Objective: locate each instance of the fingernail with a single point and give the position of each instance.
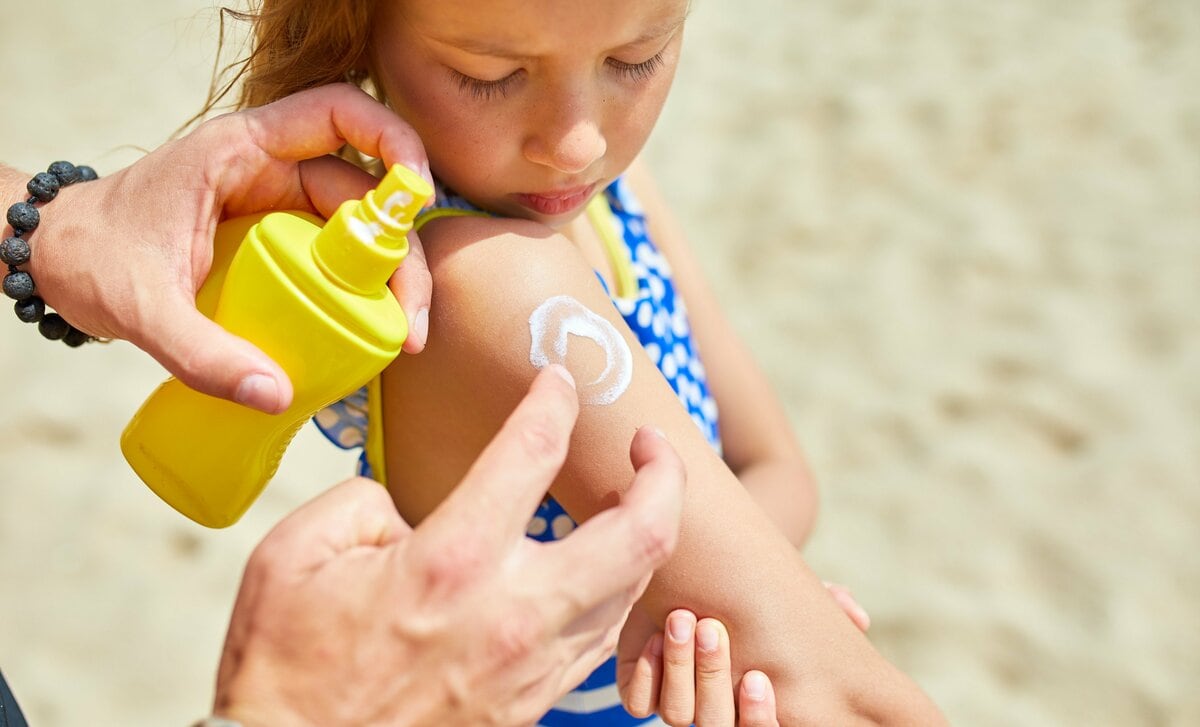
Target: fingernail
(863, 616)
(420, 326)
(657, 432)
(260, 392)
(680, 629)
(707, 637)
(425, 172)
(561, 371)
(756, 685)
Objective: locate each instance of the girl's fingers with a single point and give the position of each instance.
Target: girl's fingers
(756, 701)
(845, 599)
(677, 700)
(714, 680)
(640, 693)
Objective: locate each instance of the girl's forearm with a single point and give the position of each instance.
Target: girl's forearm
(733, 564)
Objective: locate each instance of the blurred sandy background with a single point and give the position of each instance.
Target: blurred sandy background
(964, 239)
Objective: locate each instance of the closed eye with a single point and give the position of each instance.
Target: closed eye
(637, 71)
(484, 90)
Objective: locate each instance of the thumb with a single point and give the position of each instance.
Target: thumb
(211, 360)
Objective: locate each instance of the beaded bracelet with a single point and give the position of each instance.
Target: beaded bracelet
(14, 252)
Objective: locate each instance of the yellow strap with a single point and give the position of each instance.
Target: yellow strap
(374, 444)
(439, 212)
(601, 217)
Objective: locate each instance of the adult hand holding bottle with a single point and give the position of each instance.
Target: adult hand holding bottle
(123, 256)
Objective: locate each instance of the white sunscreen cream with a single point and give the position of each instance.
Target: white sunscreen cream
(369, 232)
(560, 317)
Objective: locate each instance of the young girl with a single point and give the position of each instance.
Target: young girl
(549, 243)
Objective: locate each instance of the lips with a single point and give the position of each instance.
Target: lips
(557, 202)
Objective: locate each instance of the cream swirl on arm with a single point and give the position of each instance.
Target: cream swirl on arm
(550, 327)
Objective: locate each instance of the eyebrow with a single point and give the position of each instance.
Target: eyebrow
(491, 48)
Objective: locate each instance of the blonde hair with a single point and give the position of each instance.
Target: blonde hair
(294, 45)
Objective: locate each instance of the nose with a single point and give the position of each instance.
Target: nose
(567, 138)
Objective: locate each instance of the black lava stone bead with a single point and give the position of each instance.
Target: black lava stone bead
(53, 326)
(14, 251)
(23, 216)
(66, 172)
(18, 285)
(44, 186)
(31, 309)
(75, 337)
(87, 174)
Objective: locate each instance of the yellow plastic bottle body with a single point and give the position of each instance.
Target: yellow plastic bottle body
(209, 458)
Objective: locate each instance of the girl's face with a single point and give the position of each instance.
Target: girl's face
(528, 107)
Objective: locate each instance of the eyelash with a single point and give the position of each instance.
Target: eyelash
(483, 90)
(488, 90)
(638, 71)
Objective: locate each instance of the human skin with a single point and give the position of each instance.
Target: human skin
(346, 615)
(168, 204)
(562, 119)
(566, 107)
(685, 675)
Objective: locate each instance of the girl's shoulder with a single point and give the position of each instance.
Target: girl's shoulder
(490, 273)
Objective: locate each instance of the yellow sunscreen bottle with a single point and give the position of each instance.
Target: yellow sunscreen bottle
(315, 299)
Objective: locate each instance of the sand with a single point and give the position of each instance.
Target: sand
(961, 237)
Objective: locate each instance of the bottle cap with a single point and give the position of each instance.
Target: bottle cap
(366, 240)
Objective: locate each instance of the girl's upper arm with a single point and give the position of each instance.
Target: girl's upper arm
(478, 363)
(442, 406)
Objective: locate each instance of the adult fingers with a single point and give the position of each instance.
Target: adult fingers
(756, 701)
(504, 485)
(321, 120)
(355, 513)
(209, 359)
(714, 680)
(413, 287)
(634, 538)
(329, 181)
(591, 640)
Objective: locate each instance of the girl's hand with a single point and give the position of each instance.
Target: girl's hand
(685, 675)
(845, 599)
(123, 256)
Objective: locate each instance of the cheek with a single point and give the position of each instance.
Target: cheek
(465, 148)
(454, 133)
(631, 119)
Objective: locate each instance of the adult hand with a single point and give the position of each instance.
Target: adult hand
(123, 256)
(347, 616)
(685, 674)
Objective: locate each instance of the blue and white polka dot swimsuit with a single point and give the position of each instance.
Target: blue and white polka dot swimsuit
(657, 316)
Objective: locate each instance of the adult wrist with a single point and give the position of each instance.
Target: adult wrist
(16, 252)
